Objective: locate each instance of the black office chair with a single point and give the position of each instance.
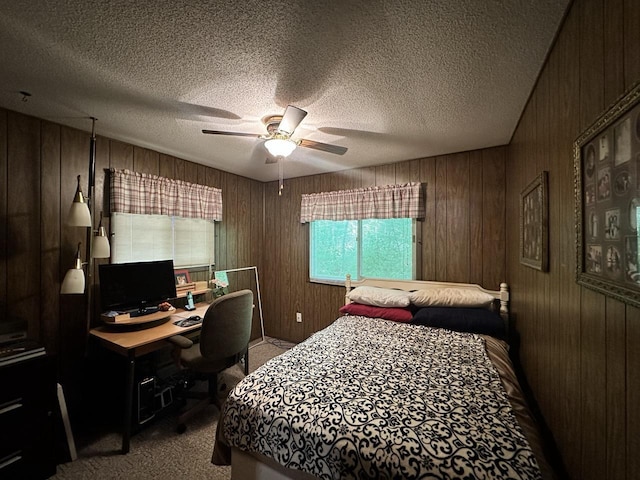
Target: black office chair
(224, 340)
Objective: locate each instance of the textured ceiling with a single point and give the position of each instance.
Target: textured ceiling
(389, 80)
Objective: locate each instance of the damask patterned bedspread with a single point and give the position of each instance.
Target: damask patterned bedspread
(370, 398)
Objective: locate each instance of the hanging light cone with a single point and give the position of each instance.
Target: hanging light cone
(79, 215)
(101, 247)
(73, 282)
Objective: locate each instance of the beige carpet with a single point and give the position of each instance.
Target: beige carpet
(158, 452)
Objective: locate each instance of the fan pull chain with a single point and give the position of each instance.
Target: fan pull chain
(280, 176)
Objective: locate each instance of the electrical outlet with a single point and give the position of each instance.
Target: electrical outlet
(298, 317)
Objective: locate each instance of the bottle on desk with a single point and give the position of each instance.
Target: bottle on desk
(190, 305)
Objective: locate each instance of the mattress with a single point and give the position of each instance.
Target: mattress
(372, 398)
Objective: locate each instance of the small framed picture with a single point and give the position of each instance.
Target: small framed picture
(534, 212)
(182, 277)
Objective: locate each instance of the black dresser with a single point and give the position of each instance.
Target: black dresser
(27, 403)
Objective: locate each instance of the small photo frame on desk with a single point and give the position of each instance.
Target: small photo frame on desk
(182, 277)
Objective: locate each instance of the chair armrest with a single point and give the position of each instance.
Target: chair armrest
(180, 341)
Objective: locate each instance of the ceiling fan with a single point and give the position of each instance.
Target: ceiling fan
(278, 137)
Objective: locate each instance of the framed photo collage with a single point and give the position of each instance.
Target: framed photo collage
(607, 166)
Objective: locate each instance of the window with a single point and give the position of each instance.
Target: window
(371, 248)
(140, 238)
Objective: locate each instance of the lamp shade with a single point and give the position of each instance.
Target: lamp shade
(100, 247)
(279, 147)
(79, 215)
(74, 279)
(73, 282)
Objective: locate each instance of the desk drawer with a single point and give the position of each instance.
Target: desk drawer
(12, 421)
(12, 465)
(27, 380)
(17, 466)
(27, 403)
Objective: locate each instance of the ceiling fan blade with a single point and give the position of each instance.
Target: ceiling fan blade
(291, 119)
(235, 134)
(325, 147)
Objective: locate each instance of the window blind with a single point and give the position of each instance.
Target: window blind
(140, 238)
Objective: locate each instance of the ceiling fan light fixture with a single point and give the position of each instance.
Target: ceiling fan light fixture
(280, 147)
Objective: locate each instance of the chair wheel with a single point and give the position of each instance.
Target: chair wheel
(181, 428)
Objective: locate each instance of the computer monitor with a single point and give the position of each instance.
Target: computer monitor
(136, 287)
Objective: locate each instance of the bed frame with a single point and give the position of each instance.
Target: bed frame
(501, 295)
(250, 466)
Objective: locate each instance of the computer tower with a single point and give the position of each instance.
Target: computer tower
(146, 399)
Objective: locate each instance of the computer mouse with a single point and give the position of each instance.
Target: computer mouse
(195, 317)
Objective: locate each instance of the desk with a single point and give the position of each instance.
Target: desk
(134, 343)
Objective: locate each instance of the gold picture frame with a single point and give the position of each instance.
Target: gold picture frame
(534, 224)
(607, 199)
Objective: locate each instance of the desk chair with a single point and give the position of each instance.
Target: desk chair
(224, 340)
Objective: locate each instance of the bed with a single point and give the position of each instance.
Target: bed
(412, 380)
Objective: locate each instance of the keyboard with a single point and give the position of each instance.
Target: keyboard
(188, 322)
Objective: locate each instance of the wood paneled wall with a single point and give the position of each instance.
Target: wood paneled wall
(39, 162)
(579, 348)
(463, 235)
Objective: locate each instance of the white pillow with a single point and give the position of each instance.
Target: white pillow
(450, 297)
(380, 297)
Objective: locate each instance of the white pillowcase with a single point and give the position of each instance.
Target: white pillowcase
(450, 297)
(380, 297)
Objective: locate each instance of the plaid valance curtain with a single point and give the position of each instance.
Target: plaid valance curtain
(141, 193)
(391, 201)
